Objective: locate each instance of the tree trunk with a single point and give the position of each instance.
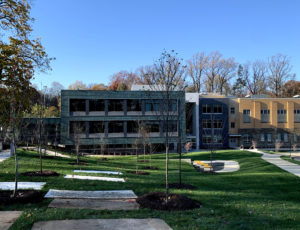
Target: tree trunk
(144, 153)
(167, 173)
(136, 165)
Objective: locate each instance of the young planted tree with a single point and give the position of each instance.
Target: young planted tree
(20, 57)
(77, 132)
(167, 76)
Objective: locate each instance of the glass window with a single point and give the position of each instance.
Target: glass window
(218, 124)
(173, 105)
(278, 137)
(132, 127)
(269, 136)
(217, 108)
(295, 137)
(206, 124)
(206, 108)
(152, 126)
(97, 127)
(246, 138)
(152, 105)
(246, 116)
(262, 137)
(206, 139)
(134, 105)
(77, 105)
(115, 105)
(77, 127)
(232, 125)
(265, 115)
(97, 105)
(218, 139)
(172, 126)
(286, 137)
(232, 110)
(115, 126)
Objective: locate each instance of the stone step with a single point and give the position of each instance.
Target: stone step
(95, 171)
(95, 204)
(111, 179)
(103, 195)
(22, 185)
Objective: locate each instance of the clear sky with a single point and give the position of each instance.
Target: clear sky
(92, 39)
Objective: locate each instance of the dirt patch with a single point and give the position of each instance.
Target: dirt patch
(157, 200)
(181, 186)
(143, 160)
(80, 163)
(23, 197)
(150, 168)
(45, 173)
(138, 172)
(103, 159)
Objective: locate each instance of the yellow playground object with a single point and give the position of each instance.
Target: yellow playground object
(201, 163)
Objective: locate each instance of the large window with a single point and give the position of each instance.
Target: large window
(265, 115)
(172, 126)
(97, 127)
(134, 105)
(217, 108)
(285, 137)
(232, 110)
(152, 105)
(218, 124)
(206, 124)
(115, 105)
(269, 137)
(77, 105)
(246, 138)
(232, 125)
(281, 115)
(173, 106)
(152, 126)
(132, 127)
(116, 127)
(77, 127)
(297, 115)
(246, 115)
(262, 137)
(206, 108)
(97, 105)
(206, 139)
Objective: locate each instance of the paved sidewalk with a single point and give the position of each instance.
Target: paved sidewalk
(103, 224)
(7, 218)
(276, 160)
(4, 155)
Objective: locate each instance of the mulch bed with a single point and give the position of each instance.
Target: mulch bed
(156, 200)
(150, 168)
(143, 160)
(45, 173)
(103, 159)
(138, 172)
(23, 197)
(181, 186)
(80, 163)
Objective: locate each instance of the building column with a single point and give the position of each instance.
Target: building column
(273, 114)
(125, 128)
(290, 116)
(87, 106)
(125, 107)
(197, 108)
(257, 115)
(87, 129)
(106, 128)
(106, 107)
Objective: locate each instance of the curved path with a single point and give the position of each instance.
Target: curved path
(276, 160)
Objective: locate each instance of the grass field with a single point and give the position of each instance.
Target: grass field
(258, 196)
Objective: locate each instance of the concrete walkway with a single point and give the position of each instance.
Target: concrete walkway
(48, 152)
(276, 160)
(7, 218)
(5, 154)
(103, 224)
(22, 185)
(111, 179)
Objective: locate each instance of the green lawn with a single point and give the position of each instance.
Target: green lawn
(258, 196)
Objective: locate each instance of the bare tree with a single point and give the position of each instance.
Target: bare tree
(255, 75)
(77, 130)
(166, 76)
(196, 68)
(279, 72)
(213, 71)
(227, 72)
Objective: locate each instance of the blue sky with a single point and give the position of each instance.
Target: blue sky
(93, 39)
